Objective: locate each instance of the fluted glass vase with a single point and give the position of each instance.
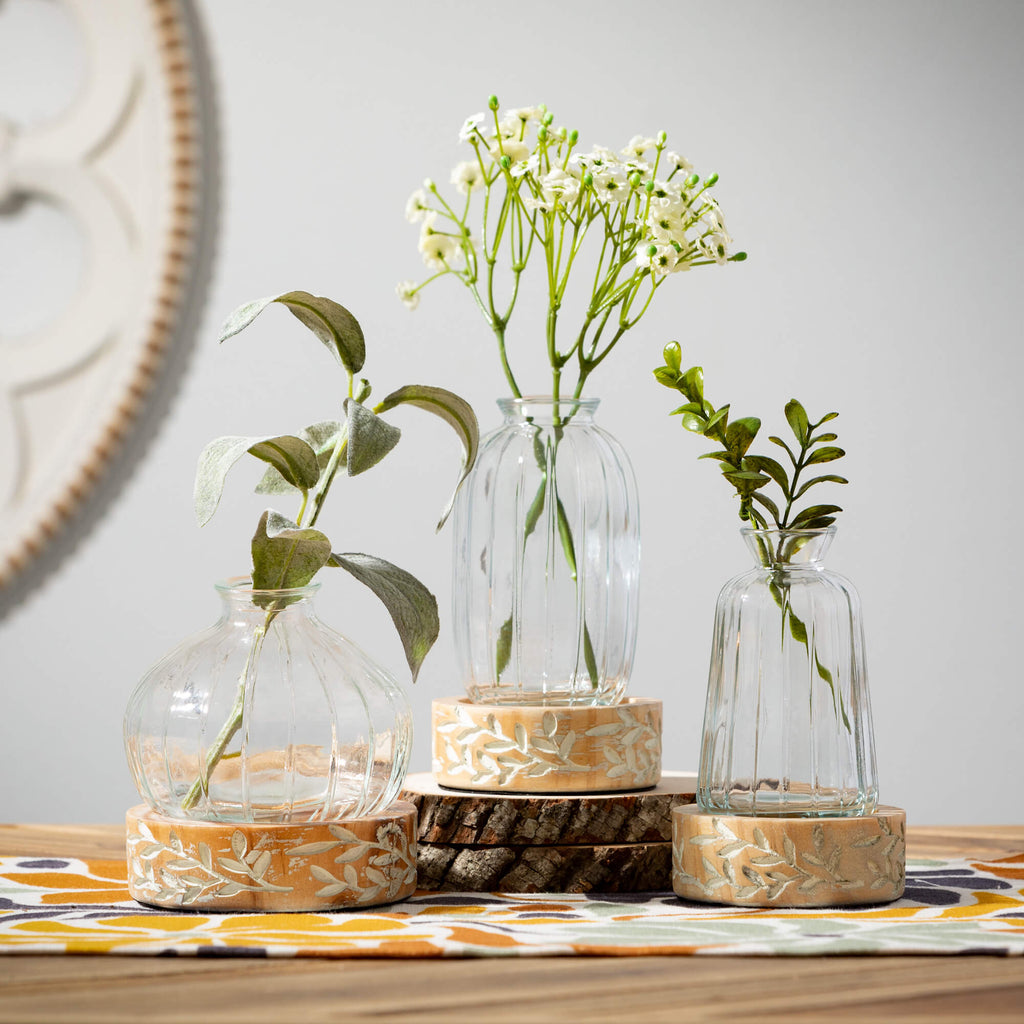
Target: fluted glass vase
(546, 560)
(269, 715)
(787, 726)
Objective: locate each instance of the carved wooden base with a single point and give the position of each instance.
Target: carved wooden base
(788, 862)
(536, 749)
(209, 865)
(485, 842)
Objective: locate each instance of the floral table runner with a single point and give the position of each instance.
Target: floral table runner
(51, 905)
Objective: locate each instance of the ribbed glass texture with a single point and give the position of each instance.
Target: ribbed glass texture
(547, 560)
(307, 727)
(787, 726)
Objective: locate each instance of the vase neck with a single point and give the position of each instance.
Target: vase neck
(241, 600)
(789, 549)
(547, 411)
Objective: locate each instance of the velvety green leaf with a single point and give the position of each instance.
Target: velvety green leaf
(796, 416)
(503, 654)
(694, 423)
(369, 438)
(334, 325)
(765, 464)
(412, 607)
(720, 456)
(812, 512)
(321, 437)
(740, 434)
(827, 478)
(291, 457)
(285, 555)
(824, 419)
(669, 377)
(824, 455)
(824, 438)
(455, 411)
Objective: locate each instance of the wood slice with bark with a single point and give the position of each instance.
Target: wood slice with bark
(633, 867)
(469, 818)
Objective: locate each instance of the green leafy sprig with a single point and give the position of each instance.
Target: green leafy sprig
(287, 553)
(749, 474)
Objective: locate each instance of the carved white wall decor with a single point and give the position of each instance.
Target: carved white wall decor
(123, 161)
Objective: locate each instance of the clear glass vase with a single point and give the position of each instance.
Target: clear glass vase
(546, 560)
(787, 727)
(268, 715)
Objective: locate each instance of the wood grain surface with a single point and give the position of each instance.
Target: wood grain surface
(680, 990)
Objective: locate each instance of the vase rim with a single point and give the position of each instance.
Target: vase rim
(241, 586)
(818, 531)
(524, 400)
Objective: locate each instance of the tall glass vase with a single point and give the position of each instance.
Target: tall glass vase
(546, 560)
(787, 726)
(268, 715)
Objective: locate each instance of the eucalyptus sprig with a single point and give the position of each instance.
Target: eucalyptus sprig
(287, 553)
(748, 473)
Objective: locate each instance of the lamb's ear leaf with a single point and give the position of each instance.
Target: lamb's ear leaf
(412, 607)
(321, 437)
(331, 322)
(369, 438)
(292, 458)
(285, 555)
(455, 411)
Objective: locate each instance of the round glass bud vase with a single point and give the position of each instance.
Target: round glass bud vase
(787, 727)
(546, 560)
(268, 715)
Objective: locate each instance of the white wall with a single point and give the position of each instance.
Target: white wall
(869, 156)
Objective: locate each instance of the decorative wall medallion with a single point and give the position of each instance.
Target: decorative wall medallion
(128, 163)
(530, 749)
(788, 862)
(206, 865)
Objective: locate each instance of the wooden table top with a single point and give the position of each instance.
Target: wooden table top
(975, 989)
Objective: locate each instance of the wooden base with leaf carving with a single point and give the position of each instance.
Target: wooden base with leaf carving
(528, 748)
(788, 862)
(184, 864)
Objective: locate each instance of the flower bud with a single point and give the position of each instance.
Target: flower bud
(574, 137)
(548, 118)
(652, 250)
(505, 161)
(588, 180)
(542, 133)
(710, 181)
(634, 179)
(649, 186)
(692, 180)
(662, 138)
(429, 185)
(492, 102)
